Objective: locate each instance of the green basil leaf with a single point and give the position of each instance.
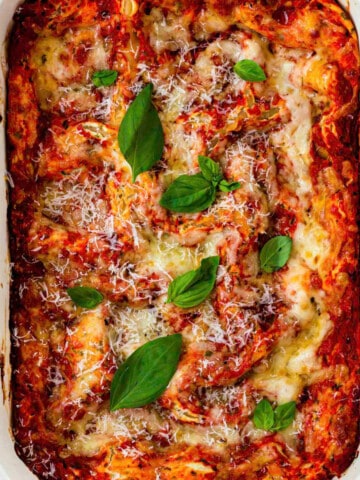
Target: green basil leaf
(275, 253)
(182, 284)
(250, 71)
(284, 416)
(264, 415)
(274, 420)
(226, 186)
(85, 297)
(104, 78)
(189, 194)
(193, 287)
(141, 137)
(210, 169)
(144, 376)
(195, 193)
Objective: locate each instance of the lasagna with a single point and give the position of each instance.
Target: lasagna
(183, 200)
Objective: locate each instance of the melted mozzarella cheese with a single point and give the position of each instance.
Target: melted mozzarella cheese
(169, 32)
(296, 281)
(294, 138)
(165, 254)
(294, 362)
(218, 437)
(56, 67)
(134, 327)
(312, 243)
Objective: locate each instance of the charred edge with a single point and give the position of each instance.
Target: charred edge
(2, 374)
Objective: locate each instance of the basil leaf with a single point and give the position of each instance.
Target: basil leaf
(226, 186)
(144, 376)
(250, 71)
(85, 297)
(284, 416)
(193, 287)
(275, 253)
(264, 415)
(273, 420)
(189, 194)
(210, 169)
(104, 78)
(194, 193)
(141, 137)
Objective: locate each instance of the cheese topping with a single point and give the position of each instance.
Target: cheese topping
(182, 99)
(258, 335)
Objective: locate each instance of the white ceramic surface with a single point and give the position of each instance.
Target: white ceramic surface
(11, 468)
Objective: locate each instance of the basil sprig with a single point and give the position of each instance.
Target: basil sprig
(275, 253)
(250, 71)
(141, 137)
(195, 193)
(104, 78)
(144, 376)
(273, 420)
(193, 287)
(85, 297)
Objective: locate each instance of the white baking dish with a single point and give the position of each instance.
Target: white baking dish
(11, 467)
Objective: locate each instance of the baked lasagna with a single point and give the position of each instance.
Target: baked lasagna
(183, 200)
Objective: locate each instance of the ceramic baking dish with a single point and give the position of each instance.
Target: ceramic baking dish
(11, 467)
